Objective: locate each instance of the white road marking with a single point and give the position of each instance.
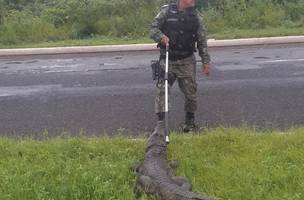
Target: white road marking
(298, 74)
(26, 90)
(237, 67)
(278, 61)
(108, 64)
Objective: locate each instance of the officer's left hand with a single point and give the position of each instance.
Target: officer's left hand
(206, 69)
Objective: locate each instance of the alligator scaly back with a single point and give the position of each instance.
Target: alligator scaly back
(155, 174)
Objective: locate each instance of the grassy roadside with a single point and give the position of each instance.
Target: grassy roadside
(256, 33)
(226, 163)
(225, 34)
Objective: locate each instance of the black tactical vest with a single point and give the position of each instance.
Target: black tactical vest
(181, 28)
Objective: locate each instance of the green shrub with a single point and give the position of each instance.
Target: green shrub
(21, 27)
(214, 20)
(295, 11)
(41, 21)
(243, 15)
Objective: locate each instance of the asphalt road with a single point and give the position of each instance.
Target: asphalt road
(112, 93)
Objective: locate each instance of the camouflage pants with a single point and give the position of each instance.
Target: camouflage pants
(184, 71)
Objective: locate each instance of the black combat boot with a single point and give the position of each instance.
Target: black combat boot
(161, 116)
(189, 123)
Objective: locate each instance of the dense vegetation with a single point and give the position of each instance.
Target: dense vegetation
(236, 164)
(34, 21)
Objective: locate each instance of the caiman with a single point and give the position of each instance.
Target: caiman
(156, 176)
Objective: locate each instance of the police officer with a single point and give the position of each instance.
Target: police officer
(181, 26)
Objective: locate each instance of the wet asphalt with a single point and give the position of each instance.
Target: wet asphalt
(113, 93)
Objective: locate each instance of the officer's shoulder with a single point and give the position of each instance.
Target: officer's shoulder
(165, 6)
(169, 6)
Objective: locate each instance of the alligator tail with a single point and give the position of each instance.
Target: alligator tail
(188, 195)
(198, 197)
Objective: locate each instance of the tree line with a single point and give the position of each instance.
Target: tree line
(23, 21)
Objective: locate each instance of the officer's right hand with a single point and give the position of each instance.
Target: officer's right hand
(164, 40)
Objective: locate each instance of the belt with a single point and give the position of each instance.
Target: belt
(176, 55)
(179, 56)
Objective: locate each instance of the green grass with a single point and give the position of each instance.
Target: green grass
(256, 33)
(236, 164)
(82, 42)
(225, 34)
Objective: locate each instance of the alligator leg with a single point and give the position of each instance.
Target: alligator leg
(182, 182)
(144, 184)
(135, 167)
(173, 164)
(138, 190)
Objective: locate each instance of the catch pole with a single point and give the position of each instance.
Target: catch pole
(166, 95)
